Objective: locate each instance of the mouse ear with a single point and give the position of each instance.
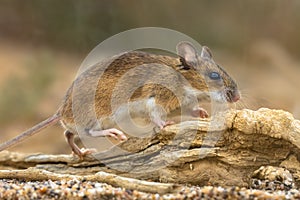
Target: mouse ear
(206, 53)
(187, 51)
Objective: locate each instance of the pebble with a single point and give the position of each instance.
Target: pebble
(75, 189)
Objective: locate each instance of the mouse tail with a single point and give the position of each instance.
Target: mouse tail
(37, 128)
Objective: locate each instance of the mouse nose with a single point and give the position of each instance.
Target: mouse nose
(236, 96)
(233, 96)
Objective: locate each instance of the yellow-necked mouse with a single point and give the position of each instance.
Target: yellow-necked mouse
(154, 85)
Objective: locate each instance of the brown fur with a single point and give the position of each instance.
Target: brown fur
(120, 66)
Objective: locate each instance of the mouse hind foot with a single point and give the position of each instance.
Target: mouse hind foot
(75, 149)
(112, 132)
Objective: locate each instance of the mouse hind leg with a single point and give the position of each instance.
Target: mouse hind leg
(75, 149)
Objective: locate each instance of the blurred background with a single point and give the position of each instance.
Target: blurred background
(42, 44)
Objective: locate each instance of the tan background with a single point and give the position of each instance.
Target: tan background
(43, 44)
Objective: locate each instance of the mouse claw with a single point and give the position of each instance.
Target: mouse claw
(200, 112)
(162, 124)
(168, 123)
(81, 153)
(113, 132)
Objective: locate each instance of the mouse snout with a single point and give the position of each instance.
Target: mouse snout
(236, 97)
(233, 95)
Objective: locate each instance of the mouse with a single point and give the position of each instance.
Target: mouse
(147, 85)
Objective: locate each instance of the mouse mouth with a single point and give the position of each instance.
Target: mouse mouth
(232, 95)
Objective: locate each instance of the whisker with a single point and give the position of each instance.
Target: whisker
(248, 101)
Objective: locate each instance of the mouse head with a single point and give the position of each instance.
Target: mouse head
(206, 74)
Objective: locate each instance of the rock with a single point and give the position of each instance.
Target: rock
(224, 150)
(272, 178)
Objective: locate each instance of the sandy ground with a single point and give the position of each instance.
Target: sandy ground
(266, 74)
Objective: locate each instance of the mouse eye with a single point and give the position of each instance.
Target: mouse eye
(214, 76)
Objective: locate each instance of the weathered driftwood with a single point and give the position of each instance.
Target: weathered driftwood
(226, 152)
(33, 174)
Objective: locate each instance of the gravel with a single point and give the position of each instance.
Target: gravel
(74, 189)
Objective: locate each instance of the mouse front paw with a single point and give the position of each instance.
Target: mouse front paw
(160, 124)
(199, 112)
